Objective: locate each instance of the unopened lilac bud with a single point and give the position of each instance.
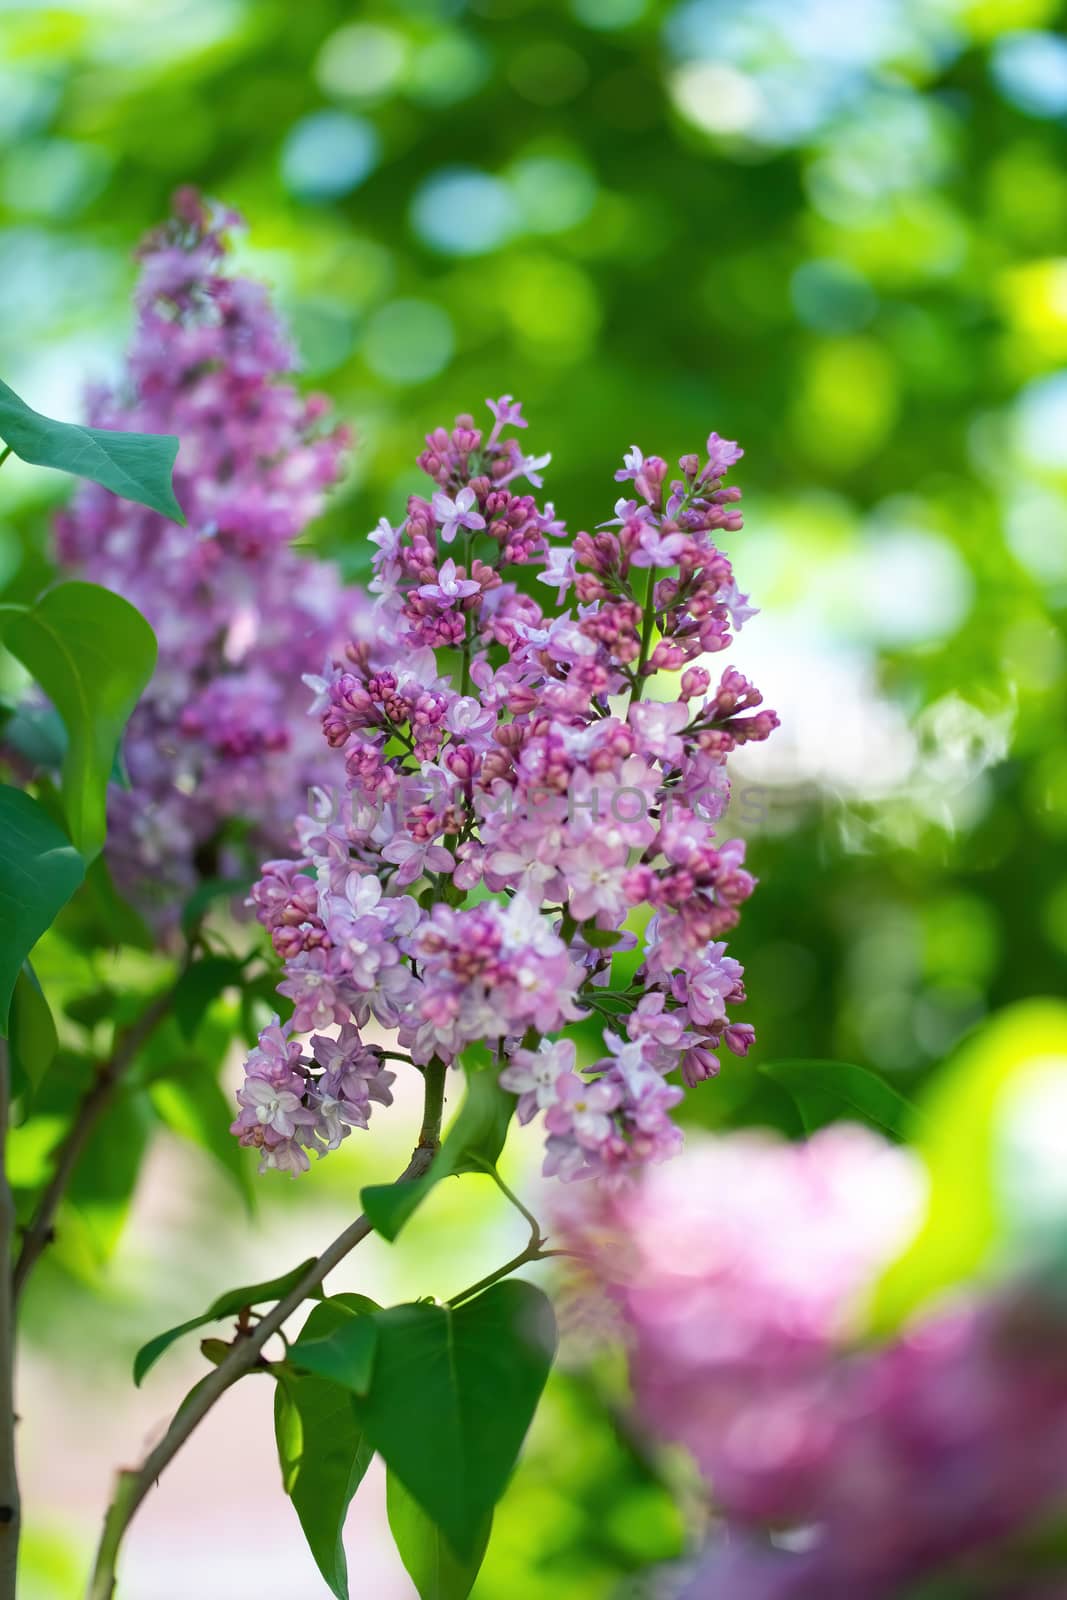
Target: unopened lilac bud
(695, 681)
(589, 588)
(739, 1037)
(462, 762)
(698, 1065)
(668, 656)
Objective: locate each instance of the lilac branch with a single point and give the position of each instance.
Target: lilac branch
(9, 1485)
(96, 1100)
(243, 1356)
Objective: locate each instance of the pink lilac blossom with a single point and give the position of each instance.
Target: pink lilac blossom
(513, 793)
(240, 616)
(738, 1275)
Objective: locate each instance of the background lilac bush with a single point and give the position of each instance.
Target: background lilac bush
(219, 751)
(741, 1276)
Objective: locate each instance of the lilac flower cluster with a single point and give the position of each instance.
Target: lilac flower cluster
(239, 615)
(738, 1274)
(280, 1092)
(514, 797)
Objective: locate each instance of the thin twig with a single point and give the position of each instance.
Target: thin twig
(535, 1249)
(433, 1105)
(9, 1483)
(510, 1195)
(95, 1102)
(134, 1483)
(533, 1252)
(648, 622)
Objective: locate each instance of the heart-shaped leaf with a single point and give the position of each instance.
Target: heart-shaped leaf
(38, 734)
(92, 653)
(345, 1356)
(199, 985)
(452, 1393)
(473, 1144)
(97, 1203)
(321, 1445)
(431, 1563)
(138, 466)
(39, 871)
(826, 1091)
(115, 922)
(228, 1304)
(34, 1040)
(190, 1100)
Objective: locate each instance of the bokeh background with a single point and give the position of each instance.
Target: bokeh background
(833, 229)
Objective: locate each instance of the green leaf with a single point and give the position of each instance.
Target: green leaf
(39, 871)
(183, 1081)
(88, 1010)
(199, 985)
(45, 792)
(32, 1140)
(961, 1142)
(228, 1304)
(345, 1356)
(473, 1144)
(318, 1326)
(38, 734)
(452, 1393)
(98, 1199)
(431, 1563)
(259, 995)
(119, 922)
(388, 1206)
(137, 466)
(205, 895)
(480, 1131)
(193, 1105)
(97, 918)
(827, 1091)
(321, 1446)
(289, 1432)
(92, 653)
(34, 1040)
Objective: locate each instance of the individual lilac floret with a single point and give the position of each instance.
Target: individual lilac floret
(221, 733)
(517, 786)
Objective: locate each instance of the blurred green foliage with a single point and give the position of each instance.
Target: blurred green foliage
(835, 230)
(997, 1196)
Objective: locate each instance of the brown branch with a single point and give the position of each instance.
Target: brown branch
(98, 1097)
(134, 1483)
(10, 1515)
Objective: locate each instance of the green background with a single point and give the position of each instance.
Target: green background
(834, 230)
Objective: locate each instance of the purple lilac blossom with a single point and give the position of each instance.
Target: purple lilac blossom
(240, 616)
(508, 794)
(738, 1275)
